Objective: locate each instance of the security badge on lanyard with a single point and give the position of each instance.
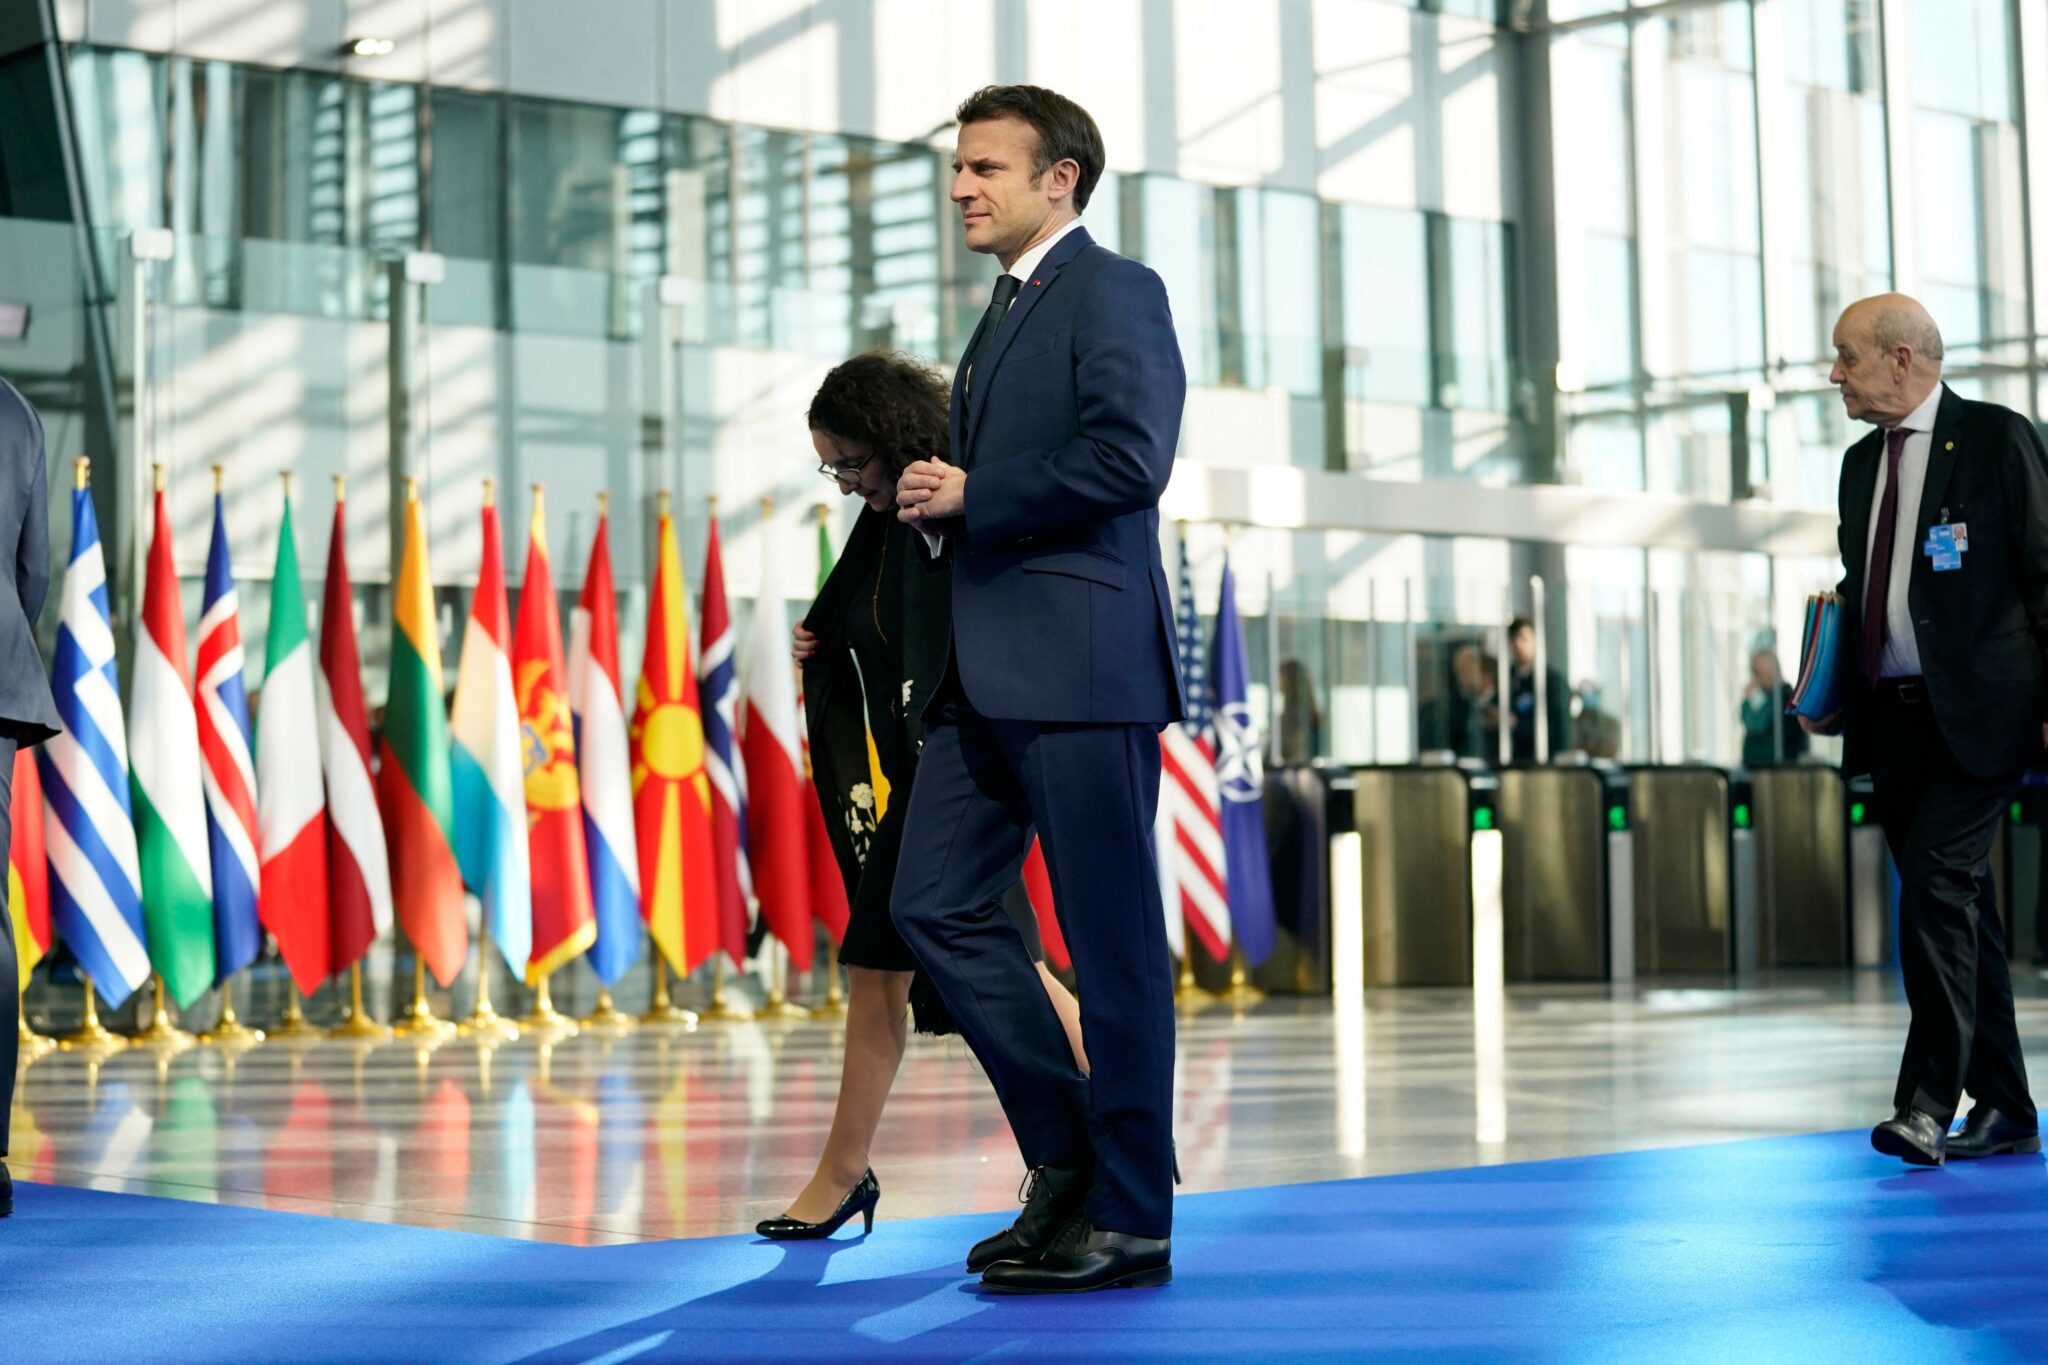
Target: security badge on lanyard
(1946, 544)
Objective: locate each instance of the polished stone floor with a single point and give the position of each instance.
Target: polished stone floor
(598, 1140)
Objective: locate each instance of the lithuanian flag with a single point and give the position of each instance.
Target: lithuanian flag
(413, 782)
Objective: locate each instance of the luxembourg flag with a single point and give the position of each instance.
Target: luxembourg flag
(230, 770)
(604, 762)
(489, 768)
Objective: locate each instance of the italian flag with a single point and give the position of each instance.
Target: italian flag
(291, 801)
(170, 795)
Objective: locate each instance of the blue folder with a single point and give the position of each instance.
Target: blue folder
(1820, 687)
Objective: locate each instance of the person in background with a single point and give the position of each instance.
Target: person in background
(1301, 720)
(1944, 544)
(1763, 707)
(1522, 698)
(28, 713)
(1595, 733)
(873, 647)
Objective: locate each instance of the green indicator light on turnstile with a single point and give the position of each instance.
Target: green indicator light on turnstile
(1617, 817)
(1856, 812)
(1742, 816)
(1482, 817)
(2015, 812)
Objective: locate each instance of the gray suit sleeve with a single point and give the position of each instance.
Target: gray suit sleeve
(32, 551)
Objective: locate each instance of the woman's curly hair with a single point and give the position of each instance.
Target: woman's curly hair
(887, 402)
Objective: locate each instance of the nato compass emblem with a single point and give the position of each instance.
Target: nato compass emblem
(1240, 767)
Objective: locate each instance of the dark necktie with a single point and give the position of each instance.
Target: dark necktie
(999, 301)
(1877, 591)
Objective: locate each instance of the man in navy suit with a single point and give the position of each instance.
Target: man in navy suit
(1066, 411)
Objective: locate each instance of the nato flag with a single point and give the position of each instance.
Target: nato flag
(1241, 774)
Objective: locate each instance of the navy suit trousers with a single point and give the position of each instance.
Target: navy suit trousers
(1090, 792)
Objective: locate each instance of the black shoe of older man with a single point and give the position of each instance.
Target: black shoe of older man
(1913, 1136)
(1082, 1258)
(1051, 1196)
(1989, 1132)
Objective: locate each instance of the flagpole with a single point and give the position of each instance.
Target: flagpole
(544, 1021)
(722, 1009)
(419, 1022)
(1241, 991)
(229, 1032)
(662, 1011)
(778, 1005)
(32, 1044)
(163, 1032)
(483, 1020)
(91, 1035)
(295, 1027)
(834, 1005)
(356, 1024)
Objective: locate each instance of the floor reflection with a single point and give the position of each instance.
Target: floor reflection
(659, 1135)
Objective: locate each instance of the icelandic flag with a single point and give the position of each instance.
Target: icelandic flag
(605, 765)
(1241, 778)
(230, 769)
(486, 763)
(95, 873)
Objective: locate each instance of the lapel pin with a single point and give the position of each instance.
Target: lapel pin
(1950, 446)
(1036, 283)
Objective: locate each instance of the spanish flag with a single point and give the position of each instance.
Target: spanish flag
(413, 781)
(28, 874)
(564, 925)
(671, 790)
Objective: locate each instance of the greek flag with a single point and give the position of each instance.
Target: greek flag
(95, 876)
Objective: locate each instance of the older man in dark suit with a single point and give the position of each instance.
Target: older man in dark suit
(1065, 417)
(1944, 540)
(28, 715)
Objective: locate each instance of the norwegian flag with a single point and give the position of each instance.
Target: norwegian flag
(718, 686)
(229, 770)
(1189, 826)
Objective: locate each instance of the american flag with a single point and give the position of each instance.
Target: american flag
(1189, 826)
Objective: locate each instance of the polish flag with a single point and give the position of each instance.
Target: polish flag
(777, 841)
(358, 866)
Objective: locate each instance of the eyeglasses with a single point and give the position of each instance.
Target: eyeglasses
(846, 471)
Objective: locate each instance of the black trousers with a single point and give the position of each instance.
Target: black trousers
(1940, 820)
(1090, 792)
(10, 970)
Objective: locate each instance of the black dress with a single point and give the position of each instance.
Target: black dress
(884, 623)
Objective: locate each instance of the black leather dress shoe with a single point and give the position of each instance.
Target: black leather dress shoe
(1988, 1132)
(6, 1191)
(860, 1200)
(1082, 1258)
(1912, 1136)
(1051, 1196)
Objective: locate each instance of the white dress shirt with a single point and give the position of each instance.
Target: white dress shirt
(1901, 646)
(1022, 268)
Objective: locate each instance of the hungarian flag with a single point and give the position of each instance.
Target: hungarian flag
(291, 807)
(671, 789)
(230, 769)
(413, 782)
(358, 866)
(776, 835)
(828, 888)
(603, 767)
(563, 923)
(489, 772)
(95, 883)
(28, 874)
(719, 686)
(170, 795)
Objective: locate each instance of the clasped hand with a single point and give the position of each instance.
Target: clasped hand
(931, 490)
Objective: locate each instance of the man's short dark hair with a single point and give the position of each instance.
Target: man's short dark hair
(1065, 130)
(1518, 625)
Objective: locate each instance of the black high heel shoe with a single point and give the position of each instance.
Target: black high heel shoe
(861, 1199)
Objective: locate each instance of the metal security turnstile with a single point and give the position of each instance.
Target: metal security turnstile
(1568, 882)
(2020, 887)
(1870, 881)
(1802, 868)
(1429, 870)
(1688, 868)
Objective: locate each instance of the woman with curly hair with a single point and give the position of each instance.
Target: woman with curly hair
(873, 647)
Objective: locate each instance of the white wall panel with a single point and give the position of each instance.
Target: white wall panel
(468, 43)
(603, 53)
(1229, 90)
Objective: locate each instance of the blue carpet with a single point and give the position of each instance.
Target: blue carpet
(1809, 1248)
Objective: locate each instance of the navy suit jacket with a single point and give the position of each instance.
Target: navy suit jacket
(1060, 606)
(28, 714)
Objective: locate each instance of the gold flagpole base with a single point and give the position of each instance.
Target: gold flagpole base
(1186, 994)
(780, 1006)
(91, 1036)
(662, 1011)
(163, 1034)
(230, 1033)
(32, 1044)
(419, 1024)
(295, 1028)
(1241, 991)
(834, 1004)
(356, 1025)
(607, 1017)
(723, 1009)
(544, 1022)
(483, 1023)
